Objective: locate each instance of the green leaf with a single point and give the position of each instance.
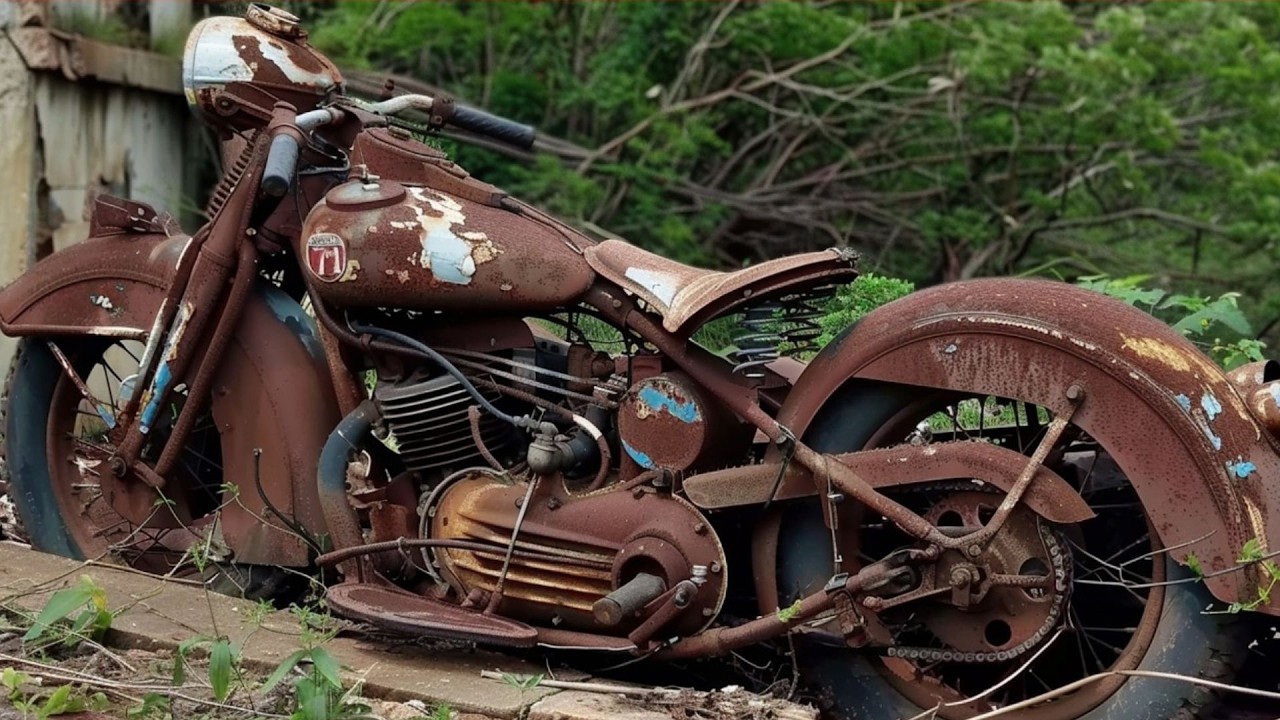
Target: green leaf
(1193, 564)
(1251, 551)
(221, 661)
(58, 703)
(60, 606)
(327, 666)
(283, 669)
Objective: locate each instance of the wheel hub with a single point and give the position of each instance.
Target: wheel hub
(999, 603)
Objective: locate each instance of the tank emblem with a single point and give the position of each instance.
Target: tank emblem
(327, 256)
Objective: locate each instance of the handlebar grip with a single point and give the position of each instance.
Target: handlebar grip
(498, 128)
(281, 166)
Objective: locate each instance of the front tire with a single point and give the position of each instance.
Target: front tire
(1183, 640)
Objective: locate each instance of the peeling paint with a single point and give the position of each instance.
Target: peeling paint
(1242, 468)
(352, 272)
(656, 400)
(1166, 354)
(117, 331)
(950, 349)
(401, 275)
(1183, 401)
(661, 285)
(1212, 408)
(102, 301)
(641, 458)
(164, 376)
(451, 257)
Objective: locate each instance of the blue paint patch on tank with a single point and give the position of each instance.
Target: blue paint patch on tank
(686, 411)
(641, 459)
(1212, 408)
(1183, 401)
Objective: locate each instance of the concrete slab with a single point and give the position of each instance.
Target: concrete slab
(158, 615)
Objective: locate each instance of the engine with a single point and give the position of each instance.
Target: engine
(599, 534)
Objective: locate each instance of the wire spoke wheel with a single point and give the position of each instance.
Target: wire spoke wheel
(121, 516)
(971, 645)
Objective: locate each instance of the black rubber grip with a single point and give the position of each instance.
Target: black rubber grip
(282, 165)
(483, 123)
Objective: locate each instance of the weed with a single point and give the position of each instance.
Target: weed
(84, 605)
(787, 614)
(28, 697)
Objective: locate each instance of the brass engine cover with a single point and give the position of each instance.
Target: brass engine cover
(573, 550)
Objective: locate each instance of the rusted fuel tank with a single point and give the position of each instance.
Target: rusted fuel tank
(396, 242)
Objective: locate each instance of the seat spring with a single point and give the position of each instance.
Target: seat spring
(790, 325)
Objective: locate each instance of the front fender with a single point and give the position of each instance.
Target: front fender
(1207, 472)
(272, 390)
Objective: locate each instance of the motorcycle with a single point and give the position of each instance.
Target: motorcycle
(470, 421)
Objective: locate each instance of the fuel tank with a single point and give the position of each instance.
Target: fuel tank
(425, 236)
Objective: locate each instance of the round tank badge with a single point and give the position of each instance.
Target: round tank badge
(327, 256)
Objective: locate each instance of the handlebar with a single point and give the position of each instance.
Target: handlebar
(493, 126)
(282, 164)
(282, 158)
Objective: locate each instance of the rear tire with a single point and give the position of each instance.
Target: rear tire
(1186, 641)
(29, 402)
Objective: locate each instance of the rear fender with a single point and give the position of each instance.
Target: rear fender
(272, 389)
(1200, 462)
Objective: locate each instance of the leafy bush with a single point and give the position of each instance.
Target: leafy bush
(1217, 325)
(858, 298)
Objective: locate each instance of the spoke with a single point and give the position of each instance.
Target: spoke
(125, 348)
(1084, 486)
(1088, 641)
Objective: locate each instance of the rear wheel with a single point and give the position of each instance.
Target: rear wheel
(58, 446)
(1119, 612)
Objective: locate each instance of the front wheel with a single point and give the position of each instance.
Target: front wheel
(1126, 606)
(57, 447)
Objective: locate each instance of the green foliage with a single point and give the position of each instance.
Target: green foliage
(1217, 325)
(318, 691)
(860, 297)
(1252, 553)
(522, 682)
(789, 613)
(71, 615)
(941, 141)
(26, 696)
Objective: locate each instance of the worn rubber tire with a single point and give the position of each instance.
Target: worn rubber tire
(1187, 641)
(27, 395)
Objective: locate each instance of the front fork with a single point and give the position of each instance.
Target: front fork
(185, 342)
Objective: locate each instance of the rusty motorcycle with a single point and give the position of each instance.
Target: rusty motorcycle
(473, 422)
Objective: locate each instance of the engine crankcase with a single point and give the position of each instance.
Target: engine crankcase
(572, 550)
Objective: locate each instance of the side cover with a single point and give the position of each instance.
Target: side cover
(272, 390)
(1201, 463)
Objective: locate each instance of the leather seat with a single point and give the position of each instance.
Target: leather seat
(688, 296)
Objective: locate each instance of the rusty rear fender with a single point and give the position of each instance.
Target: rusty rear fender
(1201, 463)
(272, 390)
